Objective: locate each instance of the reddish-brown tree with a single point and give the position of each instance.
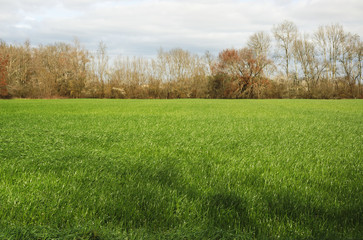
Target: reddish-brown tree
(244, 71)
(3, 77)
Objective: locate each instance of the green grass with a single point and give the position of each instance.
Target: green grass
(181, 169)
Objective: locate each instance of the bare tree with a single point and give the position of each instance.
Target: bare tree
(132, 75)
(98, 72)
(312, 67)
(285, 34)
(182, 73)
(360, 63)
(350, 59)
(260, 43)
(102, 62)
(328, 39)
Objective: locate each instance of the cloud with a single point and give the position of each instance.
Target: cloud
(140, 27)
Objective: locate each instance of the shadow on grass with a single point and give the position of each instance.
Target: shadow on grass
(160, 199)
(154, 203)
(226, 211)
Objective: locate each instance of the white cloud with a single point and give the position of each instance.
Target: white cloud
(23, 26)
(140, 27)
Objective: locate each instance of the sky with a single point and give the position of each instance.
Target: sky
(141, 27)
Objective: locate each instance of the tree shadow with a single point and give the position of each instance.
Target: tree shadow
(154, 194)
(222, 211)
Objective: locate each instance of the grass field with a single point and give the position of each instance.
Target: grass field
(181, 169)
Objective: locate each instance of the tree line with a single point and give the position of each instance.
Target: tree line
(284, 63)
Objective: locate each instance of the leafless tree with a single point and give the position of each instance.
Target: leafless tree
(285, 34)
(328, 39)
(312, 67)
(260, 43)
(350, 60)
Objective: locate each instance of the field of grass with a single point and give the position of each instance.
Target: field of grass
(181, 169)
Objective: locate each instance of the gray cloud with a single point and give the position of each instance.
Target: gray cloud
(140, 27)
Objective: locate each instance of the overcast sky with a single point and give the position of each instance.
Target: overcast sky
(140, 27)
